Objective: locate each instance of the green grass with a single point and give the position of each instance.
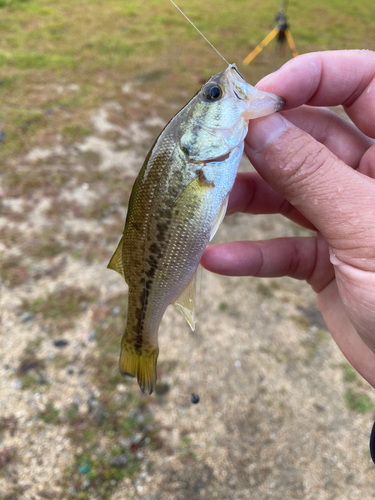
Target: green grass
(349, 373)
(50, 415)
(65, 303)
(13, 271)
(358, 402)
(100, 45)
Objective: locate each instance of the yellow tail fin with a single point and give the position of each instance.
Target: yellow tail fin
(140, 363)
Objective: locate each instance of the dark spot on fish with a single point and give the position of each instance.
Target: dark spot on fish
(154, 248)
(162, 229)
(150, 273)
(138, 313)
(166, 213)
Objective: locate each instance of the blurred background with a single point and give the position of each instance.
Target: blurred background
(85, 88)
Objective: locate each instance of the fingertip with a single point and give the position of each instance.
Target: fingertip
(208, 258)
(265, 130)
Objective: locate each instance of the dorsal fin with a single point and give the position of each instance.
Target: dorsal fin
(116, 263)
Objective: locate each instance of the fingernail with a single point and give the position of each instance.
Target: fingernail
(265, 130)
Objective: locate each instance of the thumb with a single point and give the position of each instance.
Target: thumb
(339, 201)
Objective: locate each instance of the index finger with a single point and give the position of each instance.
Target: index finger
(330, 78)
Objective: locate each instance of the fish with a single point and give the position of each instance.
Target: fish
(177, 203)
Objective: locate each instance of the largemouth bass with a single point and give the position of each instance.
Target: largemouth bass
(177, 203)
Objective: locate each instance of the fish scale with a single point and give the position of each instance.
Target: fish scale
(177, 203)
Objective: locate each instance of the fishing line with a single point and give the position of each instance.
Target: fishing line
(178, 8)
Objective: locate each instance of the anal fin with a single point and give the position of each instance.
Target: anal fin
(185, 303)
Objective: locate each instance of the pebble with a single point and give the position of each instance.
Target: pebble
(137, 437)
(91, 335)
(96, 409)
(121, 388)
(115, 311)
(27, 316)
(17, 384)
(119, 461)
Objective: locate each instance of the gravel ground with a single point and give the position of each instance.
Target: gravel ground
(281, 414)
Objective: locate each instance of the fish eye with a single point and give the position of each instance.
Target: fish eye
(213, 92)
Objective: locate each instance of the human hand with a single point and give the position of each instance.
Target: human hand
(318, 170)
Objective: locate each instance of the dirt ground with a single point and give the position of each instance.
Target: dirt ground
(281, 414)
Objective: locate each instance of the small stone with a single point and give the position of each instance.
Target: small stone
(96, 409)
(194, 398)
(27, 316)
(17, 384)
(42, 378)
(85, 484)
(237, 363)
(91, 334)
(115, 311)
(137, 438)
(60, 343)
(119, 461)
(125, 443)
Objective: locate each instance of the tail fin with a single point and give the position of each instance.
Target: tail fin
(141, 364)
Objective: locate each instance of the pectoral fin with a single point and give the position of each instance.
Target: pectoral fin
(220, 216)
(116, 262)
(185, 302)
